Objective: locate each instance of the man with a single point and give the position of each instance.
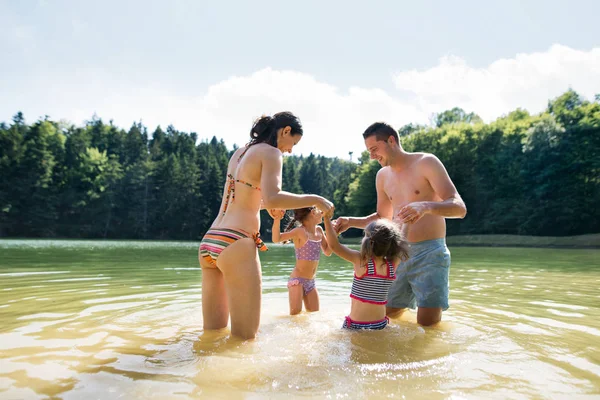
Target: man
(413, 189)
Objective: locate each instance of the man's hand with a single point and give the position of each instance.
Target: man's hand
(412, 212)
(276, 214)
(341, 224)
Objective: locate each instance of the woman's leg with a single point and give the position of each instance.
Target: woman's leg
(215, 311)
(311, 300)
(240, 265)
(295, 294)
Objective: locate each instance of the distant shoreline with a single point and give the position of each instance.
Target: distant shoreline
(591, 241)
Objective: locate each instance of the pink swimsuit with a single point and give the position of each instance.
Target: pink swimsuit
(311, 251)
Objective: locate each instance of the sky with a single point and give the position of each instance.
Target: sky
(213, 67)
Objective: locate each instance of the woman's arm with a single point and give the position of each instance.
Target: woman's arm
(274, 197)
(344, 252)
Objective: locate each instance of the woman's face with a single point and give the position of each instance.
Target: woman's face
(286, 140)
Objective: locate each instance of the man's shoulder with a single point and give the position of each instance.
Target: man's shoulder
(424, 158)
(421, 156)
(383, 171)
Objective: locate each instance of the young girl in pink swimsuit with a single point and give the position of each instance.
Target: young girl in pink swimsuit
(309, 239)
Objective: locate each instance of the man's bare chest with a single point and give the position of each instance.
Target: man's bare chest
(403, 188)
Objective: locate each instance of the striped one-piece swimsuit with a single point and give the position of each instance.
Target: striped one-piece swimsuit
(372, 287)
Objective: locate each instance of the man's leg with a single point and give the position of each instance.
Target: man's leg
(428, 316)
(431, 284)
(392, 312)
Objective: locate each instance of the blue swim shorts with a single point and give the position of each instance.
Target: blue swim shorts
(423, 279)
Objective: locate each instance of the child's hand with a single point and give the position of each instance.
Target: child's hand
(276, 214)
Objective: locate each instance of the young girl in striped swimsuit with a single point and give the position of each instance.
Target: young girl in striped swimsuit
(309, 239)
(382, 248)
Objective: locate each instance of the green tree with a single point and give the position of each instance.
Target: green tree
(455, 115)
(290, 176)
(362, 193)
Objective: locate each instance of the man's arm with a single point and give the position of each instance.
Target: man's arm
(452, 205)
(384, 209)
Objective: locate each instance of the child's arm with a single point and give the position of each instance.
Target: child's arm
(324, 244)
(276, 234)
(332, 241)
(276, 230)
(294, 235)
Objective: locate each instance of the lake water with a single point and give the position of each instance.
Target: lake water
(106, 320)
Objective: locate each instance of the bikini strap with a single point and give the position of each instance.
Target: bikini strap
(243, 153)
(371, 265)
(390, 268)
(230, 192)
(240, 180)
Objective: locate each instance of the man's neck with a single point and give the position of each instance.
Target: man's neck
(400, 160)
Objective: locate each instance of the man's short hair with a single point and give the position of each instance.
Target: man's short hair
(382, 132)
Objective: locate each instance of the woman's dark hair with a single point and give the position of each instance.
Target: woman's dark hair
(300, 215)
(264, 129)
(384, 239)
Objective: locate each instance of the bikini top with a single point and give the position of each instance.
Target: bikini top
(311, 250)
(231, 184)
(372, 287)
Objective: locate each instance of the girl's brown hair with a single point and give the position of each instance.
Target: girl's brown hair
(300, 214)
(383, 238)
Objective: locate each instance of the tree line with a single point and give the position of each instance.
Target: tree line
(521, 174)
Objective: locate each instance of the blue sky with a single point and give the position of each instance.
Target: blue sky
(212, 67)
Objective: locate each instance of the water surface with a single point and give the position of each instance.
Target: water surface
(86, 319)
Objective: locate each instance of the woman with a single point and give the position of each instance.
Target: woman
(231, 271)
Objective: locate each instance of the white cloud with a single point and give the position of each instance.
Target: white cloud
(527, 81)
(333, 119)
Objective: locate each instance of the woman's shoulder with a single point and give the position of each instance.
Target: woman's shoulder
(254, 151)
(266, 150)
(262, 147)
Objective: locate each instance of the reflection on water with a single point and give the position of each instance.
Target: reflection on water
(123, 319)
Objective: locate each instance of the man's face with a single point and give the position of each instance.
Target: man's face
(378, 150)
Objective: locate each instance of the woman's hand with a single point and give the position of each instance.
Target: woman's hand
(276, 214)
(325, 206)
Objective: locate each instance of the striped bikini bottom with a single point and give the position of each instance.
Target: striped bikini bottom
(374, 325)
(217, 239)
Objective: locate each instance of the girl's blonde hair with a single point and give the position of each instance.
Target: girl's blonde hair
(383, 238)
